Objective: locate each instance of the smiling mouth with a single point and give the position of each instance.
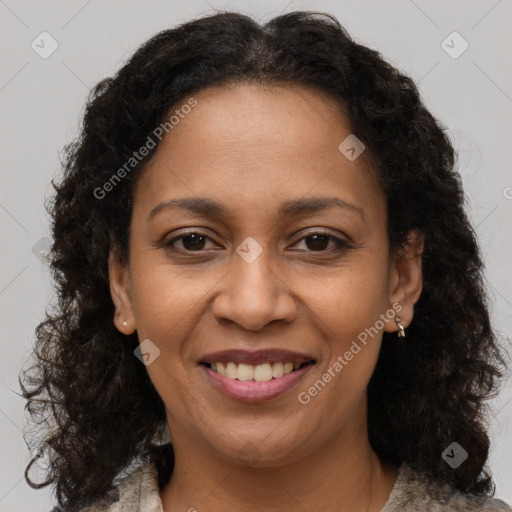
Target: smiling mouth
(259, 373)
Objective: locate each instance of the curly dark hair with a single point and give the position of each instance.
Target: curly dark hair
(85, 383)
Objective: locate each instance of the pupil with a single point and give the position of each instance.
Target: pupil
(316, 244)
(196, 243)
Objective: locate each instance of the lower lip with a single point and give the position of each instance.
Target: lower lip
(252, 391)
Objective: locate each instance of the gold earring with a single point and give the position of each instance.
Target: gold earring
(401, 332)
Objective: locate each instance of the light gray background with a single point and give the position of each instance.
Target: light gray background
(41, 101)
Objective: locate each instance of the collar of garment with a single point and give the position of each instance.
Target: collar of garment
(139, 492)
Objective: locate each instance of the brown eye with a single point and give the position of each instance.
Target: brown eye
(193, 241)
(319, 242)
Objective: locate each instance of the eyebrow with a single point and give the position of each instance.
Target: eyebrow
(295, 207)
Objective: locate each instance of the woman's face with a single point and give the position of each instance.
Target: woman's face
(257, 278)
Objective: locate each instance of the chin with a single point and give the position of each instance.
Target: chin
(257, 452)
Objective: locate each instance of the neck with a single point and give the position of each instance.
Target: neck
(345, 475)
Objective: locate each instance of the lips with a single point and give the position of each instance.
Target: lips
(259, 376)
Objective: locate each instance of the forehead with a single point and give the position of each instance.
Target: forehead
(264, 143)
(248, 118)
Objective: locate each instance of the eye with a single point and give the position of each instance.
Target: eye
(318, 241)
(193, 241)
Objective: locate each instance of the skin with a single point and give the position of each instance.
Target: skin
(251, 148)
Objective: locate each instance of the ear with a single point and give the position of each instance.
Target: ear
(120, 291)
(406, 279)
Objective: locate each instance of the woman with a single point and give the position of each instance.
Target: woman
(261, 250)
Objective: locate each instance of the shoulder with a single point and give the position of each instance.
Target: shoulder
(415, 491)
(137, 491)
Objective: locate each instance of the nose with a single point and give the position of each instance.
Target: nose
(253, 295)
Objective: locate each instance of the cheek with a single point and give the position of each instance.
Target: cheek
(353, 297)
(353, 335)
(164, 299)
(165, 305)
(351, 318)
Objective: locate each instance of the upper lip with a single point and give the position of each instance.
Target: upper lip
(256, 357)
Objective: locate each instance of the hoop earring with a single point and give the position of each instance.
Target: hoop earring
(401, 332)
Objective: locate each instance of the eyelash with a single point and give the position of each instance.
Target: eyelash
(341, 245)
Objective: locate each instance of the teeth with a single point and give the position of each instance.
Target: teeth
(245, 372)
(288, 368)
(259, 373)
(263, 372)
(231, 370)
(277, 370)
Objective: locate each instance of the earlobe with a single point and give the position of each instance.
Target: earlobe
(407, 278)
(119, 281)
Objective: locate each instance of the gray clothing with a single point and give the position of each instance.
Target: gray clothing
(412, 491)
